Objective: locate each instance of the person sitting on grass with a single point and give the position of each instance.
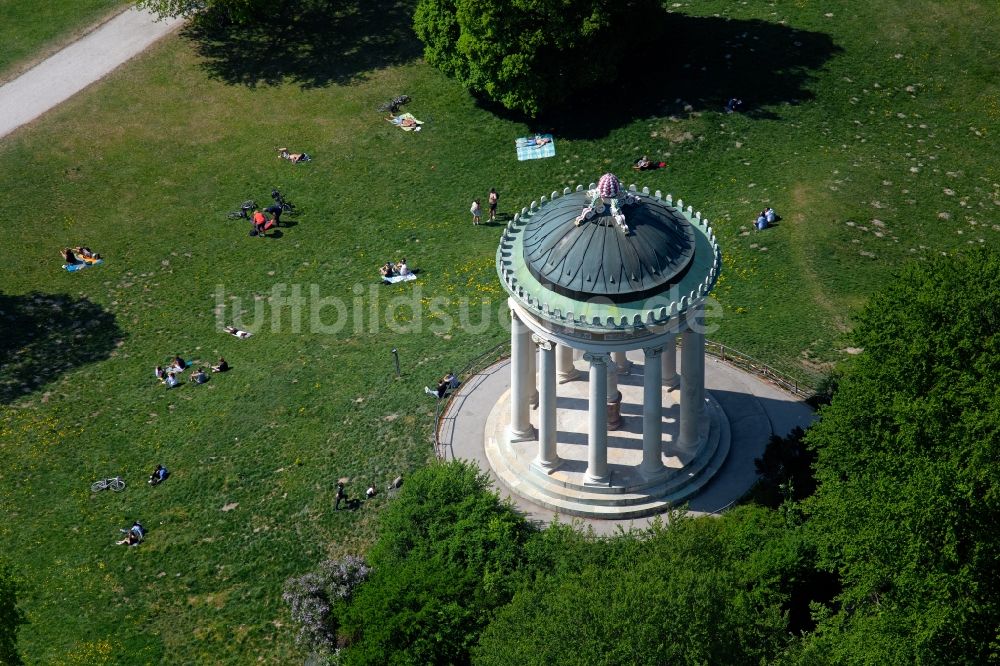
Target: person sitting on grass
(643, 163)
(770, 215)
(221, 366)
(402, 268)
(86, 253)
(259, 220)
(198, 376)
(388, 270)
(133, 535)
(171, 380)
(371, 492)
(158, 476)
(761, 223)
(160, 373)
(178, 364)
(69, 257)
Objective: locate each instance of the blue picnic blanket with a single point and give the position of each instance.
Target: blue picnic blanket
(528, 148)
(79, 267)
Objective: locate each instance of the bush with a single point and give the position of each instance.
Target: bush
(312, 596)
(442, 565)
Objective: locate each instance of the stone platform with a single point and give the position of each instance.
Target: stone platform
(628, 494)
(755, 410)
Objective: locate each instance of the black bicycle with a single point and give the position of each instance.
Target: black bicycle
(244, 212)
(392, 106)
(279, 200)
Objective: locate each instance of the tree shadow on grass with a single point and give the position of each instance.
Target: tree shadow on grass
(697, 64)
(45, 335)
(323, 42)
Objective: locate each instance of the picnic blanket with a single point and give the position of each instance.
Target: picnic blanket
(398, 122)
(399, 278)
(84, 264)
(528, 148)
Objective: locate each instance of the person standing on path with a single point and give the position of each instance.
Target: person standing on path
(494, 197)
(477, 212)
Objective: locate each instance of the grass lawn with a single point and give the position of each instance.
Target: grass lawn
(33, 30)
(870, 127)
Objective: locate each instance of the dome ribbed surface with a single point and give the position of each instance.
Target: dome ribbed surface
(598, 260)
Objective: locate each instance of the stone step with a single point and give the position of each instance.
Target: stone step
(622, 502)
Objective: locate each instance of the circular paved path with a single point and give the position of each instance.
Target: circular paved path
(755, 408)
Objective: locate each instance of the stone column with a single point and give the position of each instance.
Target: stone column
(692, 386)
(614, 396)
(564, 364)
(622, 363)
(652, 414)
(520, 428)
(597, 438)
(547, 457)
(670, 378)
(533, 374)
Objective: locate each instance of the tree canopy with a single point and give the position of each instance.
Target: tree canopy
(908, 468)
(11, 617)
(234, 11)
(530, 56)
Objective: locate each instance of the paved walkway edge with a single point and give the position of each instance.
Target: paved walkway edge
(101, 51)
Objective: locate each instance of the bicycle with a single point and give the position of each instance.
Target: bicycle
(244, 212)
(116, 484)
(392, 106)
(279, 200)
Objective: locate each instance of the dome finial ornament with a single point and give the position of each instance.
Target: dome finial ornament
(609, 192)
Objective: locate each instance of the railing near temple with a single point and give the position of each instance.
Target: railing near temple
(762, 370)
(717, 349)
(471, 369)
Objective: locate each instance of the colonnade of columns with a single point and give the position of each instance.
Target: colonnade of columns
(555, 366)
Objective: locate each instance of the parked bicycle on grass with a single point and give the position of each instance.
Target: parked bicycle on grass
(116, 483)
(244, 212)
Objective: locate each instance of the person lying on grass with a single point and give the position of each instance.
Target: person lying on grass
(235, 332)
(294, 158)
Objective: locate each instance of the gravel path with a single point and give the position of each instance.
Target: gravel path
(69, 71)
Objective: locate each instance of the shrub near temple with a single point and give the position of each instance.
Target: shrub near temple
(440, 567)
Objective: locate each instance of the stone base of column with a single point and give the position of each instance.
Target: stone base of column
(513, 435)
(615, 412)
(546, 467)
(589, 480)
(654, 473)
(569, 376)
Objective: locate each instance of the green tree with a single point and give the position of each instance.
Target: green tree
(11, 617)
(233, 11)
(698, 591)
(908, 467)
(446, 550)
(531, 55)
